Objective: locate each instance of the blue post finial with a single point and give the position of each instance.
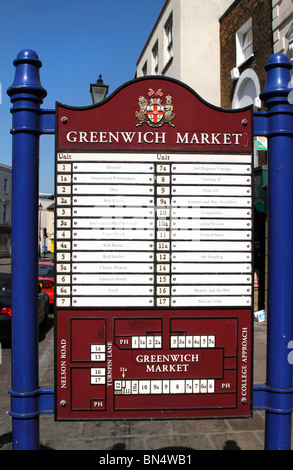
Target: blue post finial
(278, 77)
(27, 77)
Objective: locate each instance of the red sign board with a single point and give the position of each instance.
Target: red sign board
(153, 237)
(163, 364)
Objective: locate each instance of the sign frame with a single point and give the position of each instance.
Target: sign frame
(152, 138)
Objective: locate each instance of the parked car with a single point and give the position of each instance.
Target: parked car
(46, 279)
(5, 306)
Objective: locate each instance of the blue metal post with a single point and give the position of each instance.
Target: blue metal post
(26, 95)
(279, 129)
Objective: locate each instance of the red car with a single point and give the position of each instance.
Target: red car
(46, 279)
(5, 306)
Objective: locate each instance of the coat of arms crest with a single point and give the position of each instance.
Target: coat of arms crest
(153, 112)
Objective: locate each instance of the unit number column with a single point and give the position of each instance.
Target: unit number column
(163, 235)
(63, 235)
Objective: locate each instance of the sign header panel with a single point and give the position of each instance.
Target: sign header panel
(124, 121)
(153, 237)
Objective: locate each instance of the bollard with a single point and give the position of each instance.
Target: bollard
(277, 124)
(26, 95)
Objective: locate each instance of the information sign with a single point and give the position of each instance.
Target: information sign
(153, 237)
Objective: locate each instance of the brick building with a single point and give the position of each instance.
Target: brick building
(246, 42)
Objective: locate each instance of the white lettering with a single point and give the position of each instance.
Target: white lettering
(114, 137)
(93, 137)
(116, 460)
(83, 137)
(182, 140)
(194, 139)
(167, 368)
(162, 137)
(103, 137)
(71, 139)
(128, 136)
(145, 138)
(244, 344)
(236, 138)
(244, 366)
(215, 139)
(188, 138)
(205, 139)
(163, 358)
(63, 348)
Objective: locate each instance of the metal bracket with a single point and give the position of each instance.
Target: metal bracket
(269, 399)
(47, 121)
(44, 125)
(31, 404)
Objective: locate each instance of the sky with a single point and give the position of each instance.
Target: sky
(76, 41)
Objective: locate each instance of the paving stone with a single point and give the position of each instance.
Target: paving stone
(236, 441)
(256, 423)
(93, 444)
(199, 426)
(127, 428)
(184, 443)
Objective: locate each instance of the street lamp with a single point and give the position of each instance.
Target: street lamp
(98, 90)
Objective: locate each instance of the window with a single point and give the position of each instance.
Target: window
(289, 37)
(156, 58)
(244, 43)
(169, 38)
(145, 69)
(5, 213)
(5, 186)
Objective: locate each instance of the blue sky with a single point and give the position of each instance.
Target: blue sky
(76, 42)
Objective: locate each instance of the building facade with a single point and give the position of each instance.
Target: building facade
(283, 27)
(5, 209)
(46, 224)
(184, 44)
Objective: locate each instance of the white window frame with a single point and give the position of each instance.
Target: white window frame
(244, 43)
(289, 37)
(169, 38)
(144, 69)
(155, 53)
